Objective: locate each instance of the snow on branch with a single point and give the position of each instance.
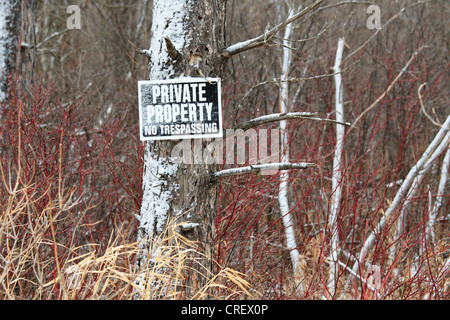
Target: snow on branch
(410, 195)
(285, 116)
(267, 36)
(258, 167)
(144, 52)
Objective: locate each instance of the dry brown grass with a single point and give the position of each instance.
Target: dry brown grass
(38, 264)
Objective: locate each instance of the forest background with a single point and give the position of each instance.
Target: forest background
(72, 163)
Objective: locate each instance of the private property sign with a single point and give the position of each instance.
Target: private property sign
(180, 108)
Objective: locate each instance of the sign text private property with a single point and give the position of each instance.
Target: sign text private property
(180, 108)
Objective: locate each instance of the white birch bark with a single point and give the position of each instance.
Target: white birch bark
(412, 191)
(433, 212)
(370, 241)
(9, 13)
(337, 170)
(167, 22)
(429, 231)
(291, 243)
(4, 42)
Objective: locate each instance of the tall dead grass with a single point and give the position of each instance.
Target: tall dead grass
(35, 265)
(59, 239)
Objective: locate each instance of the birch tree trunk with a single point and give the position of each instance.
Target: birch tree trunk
(337, 170)
(9, 35)
(429, 231)
(415, 170)
(188, 41)
(401, 223)
(186, 37)
(291, 243)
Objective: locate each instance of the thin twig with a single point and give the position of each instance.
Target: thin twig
(423, 109)
(265, 38)
(382, 27)
(279, 81)
(381, 97)
(141, 51)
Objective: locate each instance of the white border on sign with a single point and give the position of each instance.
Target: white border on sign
(182, 80)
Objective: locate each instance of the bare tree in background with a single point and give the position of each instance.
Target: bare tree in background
(368, 220)
(10, 11)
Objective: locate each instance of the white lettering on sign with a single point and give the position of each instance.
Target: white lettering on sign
(179, 112)
(179, 93)
(180, 108)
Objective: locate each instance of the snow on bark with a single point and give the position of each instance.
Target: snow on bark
(186, 35)
(168, 22)
(10, 13)
(260, 167)
(4, 34)
(157, 185)
(156, 197)
(337, 168)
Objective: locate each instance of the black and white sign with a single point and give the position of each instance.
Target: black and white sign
(180, 108)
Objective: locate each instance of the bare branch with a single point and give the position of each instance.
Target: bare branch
(279, 81)
(285, 116)
(382, 27)
(423, 109)
(381, 97)
(415, 170)
(267, 36)
(25, 45)
(258, 167)
(141, 51)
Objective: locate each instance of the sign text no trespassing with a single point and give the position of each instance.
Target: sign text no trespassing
(180, 108)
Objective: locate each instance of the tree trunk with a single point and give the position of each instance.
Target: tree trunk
(186, 38)
(336, 178)
(287, 219)
(9, 35)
